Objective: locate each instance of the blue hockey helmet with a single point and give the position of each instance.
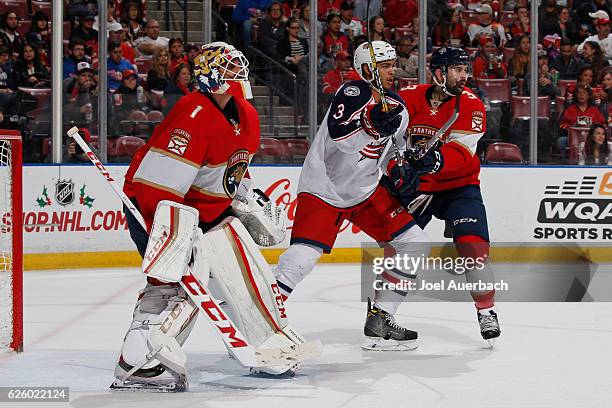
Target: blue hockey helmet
(444, 58)
(218, 63)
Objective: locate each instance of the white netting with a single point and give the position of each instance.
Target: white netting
(6, 247)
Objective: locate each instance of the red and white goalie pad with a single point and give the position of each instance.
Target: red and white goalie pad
(240, 276)
(169, 249)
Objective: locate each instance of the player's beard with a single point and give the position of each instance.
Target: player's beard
(457, 88)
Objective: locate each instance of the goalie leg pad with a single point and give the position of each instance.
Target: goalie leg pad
(163, 319)
(242, 278)
(170, 242)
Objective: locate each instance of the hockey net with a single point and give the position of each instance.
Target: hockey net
(11, 249)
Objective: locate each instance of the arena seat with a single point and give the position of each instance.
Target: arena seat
(155, 116)
(497, 90)
(143, 65)
(23, 26)
(296, 148)
(469, 17)
(20, 7)
(503, 153)
(271, 151)
(125, 147)
(41, 94)
(44, 6)
(521, 107)
(507, 18)
(576, 135)
(508, 53)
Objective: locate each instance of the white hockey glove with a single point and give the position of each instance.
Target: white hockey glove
(264, 221)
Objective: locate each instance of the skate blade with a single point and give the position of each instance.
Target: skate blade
(492, 342)
(378, 344)
(135, 386)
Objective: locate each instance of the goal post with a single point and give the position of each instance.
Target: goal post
(11, 242)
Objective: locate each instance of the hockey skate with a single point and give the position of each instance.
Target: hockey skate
(382, 333)
(489, 325)
(157, 379)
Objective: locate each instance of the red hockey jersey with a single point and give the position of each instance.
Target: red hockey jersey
(197, 156)
(461, 165)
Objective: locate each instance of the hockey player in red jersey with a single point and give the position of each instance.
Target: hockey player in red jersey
(453, 193)
(197, 157)
(340, 180)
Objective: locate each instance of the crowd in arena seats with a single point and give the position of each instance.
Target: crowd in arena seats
(148, 72)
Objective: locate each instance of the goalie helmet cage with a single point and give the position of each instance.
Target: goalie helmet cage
(11, 242)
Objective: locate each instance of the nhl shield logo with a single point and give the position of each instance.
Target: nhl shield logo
(64, 192)
(237, 165)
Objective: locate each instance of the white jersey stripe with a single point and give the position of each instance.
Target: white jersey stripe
(166, 171)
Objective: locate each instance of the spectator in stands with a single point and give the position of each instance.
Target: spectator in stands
(272, 30)
(548, 15)
(376, 29)
(582, 112)
(116, 64)
(245, 14)
(8, 83)
(518, 66)
(40, 32)
(29, 70)
(177, 54)
(132, 95)
(487, 63)
(80, 99)
(521, 26)
(588, 9)
(159, 76)
(191, 51)
(305, 23)
(603, 37)
(450, 29)
(344, 72)
(407, 64)
(72, 152)
(605, 80)
(76, 54)
(78, 9)
(565, 27)
(119, 33)
(486, 27)
(291, 8)
(565, 63)
(333, 42)
(399, 13)
(592, 56)
(349, 25)
(8, 33)
(361, 9)
(180, 86)
(293, 51)
(152, 40)
(545, 79)
(86, 33)
(596, 150)
(131, 15)
(327, 7)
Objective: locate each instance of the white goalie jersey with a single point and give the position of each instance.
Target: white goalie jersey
(344, 163)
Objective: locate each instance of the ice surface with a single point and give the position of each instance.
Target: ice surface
(549, 355)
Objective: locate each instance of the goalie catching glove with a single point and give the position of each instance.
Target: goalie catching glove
(261, 217)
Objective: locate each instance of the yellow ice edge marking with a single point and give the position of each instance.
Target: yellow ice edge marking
(508, 254)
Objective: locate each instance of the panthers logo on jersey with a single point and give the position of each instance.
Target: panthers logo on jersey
(237, 166)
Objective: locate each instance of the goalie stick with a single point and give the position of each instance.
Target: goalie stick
(245, 353)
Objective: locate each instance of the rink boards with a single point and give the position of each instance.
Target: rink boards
(72, 218)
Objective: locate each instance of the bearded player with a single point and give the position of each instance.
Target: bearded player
(340, 180)
(453, 193)
(197, 157)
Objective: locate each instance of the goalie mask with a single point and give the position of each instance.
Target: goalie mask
(217, 65)
(444, 58)
(383, 51)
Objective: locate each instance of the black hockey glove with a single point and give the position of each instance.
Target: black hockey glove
(431, 163)
(403, 178)
(380, 124)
